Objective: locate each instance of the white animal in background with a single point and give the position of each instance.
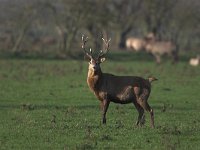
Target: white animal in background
(195, 61)
(136, 44)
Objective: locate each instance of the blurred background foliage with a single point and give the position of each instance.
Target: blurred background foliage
(53, 28)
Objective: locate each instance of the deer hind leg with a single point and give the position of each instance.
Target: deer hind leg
(141, 117)
(104, 107)
(174, 56)
(142, 101)
(158, 59)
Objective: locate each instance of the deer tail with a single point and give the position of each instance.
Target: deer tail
(151, 79)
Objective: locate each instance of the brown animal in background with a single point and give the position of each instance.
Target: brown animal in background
(160, 48)
(151, 45)
(118, 89)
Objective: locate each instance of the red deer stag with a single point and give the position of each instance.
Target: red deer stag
(118, 89)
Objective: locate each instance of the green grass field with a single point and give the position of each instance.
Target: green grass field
(46, 104)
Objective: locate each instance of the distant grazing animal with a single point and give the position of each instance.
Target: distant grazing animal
(135, 44)
(195, 61)
(138, 44)
(160, 48)
(118, 89)
(153, 46)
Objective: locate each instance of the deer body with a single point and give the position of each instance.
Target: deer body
(139, 44)
(195, 61)
(160, 48)
(135, 43)
(118, 89)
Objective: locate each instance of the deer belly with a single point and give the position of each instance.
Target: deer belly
(124, 97)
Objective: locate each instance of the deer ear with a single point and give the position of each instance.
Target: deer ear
(87, 58)
(102, 59)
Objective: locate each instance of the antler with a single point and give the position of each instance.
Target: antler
(103, 53)
(84, 40)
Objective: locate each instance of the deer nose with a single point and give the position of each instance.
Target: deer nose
(94, 67)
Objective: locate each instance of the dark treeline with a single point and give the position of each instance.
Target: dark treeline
(46, 27)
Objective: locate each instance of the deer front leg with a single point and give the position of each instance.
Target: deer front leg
(104, 107)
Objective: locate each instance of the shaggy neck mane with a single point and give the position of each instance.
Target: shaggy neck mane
(93, 79)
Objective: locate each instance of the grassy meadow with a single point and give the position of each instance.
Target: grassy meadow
(46, 104)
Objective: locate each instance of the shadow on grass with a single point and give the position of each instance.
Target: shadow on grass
(45, 106)
(61, 107)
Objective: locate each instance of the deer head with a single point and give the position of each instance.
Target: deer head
(94, 62)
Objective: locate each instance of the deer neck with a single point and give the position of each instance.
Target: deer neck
(93, 79)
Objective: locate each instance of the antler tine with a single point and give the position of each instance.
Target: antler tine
(84, 40)
(106, 42)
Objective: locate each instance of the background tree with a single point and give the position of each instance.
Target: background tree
(66, 20)
(126, 14)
